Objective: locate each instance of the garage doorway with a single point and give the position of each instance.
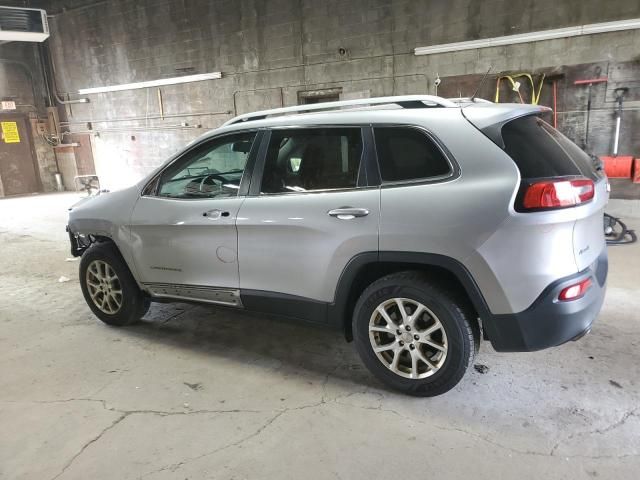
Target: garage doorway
(17, 159)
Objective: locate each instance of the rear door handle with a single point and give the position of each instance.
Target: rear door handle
(347, 213)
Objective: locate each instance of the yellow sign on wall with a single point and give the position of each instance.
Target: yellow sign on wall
(10, 132)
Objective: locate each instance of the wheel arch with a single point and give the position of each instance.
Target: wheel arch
(84, 238)
(365, 268)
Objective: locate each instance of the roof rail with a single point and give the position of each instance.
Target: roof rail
(468, 100)
(406, 101)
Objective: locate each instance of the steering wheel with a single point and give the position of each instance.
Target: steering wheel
(210, 180)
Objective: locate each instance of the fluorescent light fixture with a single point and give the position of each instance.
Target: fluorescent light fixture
(152, 83)
(593, 28)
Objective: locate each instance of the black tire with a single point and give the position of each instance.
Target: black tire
(134, 303)
(454, 314)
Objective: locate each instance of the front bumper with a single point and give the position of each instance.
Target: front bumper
(548, 322)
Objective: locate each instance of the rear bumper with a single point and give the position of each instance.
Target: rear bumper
(548, 322)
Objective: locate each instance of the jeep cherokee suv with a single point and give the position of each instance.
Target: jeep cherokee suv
(417, 225)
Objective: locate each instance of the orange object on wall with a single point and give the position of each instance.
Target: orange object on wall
(636, 170)
(617, 167)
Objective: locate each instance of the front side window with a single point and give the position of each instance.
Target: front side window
(211, 170)
(304, 160)
(408, 154)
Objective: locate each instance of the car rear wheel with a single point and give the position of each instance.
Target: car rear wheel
(413, 335)
(109, 288)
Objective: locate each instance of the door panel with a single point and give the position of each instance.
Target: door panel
(17, 167)
(184, 237)
(309, 212)
(290, 244)
(174, 242)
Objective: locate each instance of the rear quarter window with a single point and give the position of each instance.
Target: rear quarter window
(408, 154)
(539, 150)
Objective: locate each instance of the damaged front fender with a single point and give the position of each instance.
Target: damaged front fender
(103, 217)
(78, 245)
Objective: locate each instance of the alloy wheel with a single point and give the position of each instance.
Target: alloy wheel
(408, 338)
(104, 287)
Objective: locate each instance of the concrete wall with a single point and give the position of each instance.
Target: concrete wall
(269, 51)
(21, 80)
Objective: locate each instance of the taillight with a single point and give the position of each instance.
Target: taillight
(561, 193)
(574, 292)
(584, 190)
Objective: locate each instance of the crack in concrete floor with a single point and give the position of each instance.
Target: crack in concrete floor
(124, 414)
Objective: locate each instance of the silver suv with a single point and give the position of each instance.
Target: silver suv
(415, 224)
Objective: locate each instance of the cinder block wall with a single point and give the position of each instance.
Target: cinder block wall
(269, 51)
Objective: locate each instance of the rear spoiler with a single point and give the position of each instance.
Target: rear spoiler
(489, 118)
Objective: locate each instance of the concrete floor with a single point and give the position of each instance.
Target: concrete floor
(195, 393)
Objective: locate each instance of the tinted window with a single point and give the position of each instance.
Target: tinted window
(210, 170)
(408, 154)
(304, 160)
(539, 150)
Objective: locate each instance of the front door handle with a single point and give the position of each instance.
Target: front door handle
(215, 214)
(347, 213)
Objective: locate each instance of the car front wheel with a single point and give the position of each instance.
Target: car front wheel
(413, 335)
(109, 288)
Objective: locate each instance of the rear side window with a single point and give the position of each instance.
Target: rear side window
(304, 160)
(539, 150)
(408, 154)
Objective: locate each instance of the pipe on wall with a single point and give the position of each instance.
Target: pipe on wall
(148, 117)
(52, 90)
(154, 128)
(235, 104)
